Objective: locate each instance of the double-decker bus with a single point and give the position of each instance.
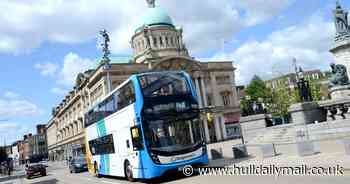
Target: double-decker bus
(147, 126)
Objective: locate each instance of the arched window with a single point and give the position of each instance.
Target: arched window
(160, 41)
(166, 41)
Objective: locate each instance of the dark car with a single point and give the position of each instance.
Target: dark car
(77, 164)
(35, 170)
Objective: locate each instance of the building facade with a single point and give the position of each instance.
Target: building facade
(157, 46)
(33, 148)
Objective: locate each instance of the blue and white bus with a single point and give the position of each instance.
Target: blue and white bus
(146, 127)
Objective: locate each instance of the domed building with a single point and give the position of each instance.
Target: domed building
(157, 46)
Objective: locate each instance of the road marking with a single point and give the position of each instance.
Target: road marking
(109, 182)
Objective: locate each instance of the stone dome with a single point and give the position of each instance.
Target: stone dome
(154, 17)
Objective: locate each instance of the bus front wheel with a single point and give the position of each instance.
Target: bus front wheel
(128, 172)
(96, 170)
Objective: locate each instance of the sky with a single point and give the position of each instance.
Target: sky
(44, 44)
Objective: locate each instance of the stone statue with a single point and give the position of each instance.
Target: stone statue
(303, 87)
(151, 3)
(341, 20)
(339, 75)
(105, 45)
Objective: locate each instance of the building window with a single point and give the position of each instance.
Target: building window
(222, 80)
(210, 99)
(226, 98)
(160, 41)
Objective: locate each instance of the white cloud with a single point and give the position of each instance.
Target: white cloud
(46, 69)
(258, 11)
(73, 64)
(27, 24)
(11, 95)
(12, 131)
(308, 41)
(14, 106)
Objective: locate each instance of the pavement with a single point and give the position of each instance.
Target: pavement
(318, 159)
(58, 172)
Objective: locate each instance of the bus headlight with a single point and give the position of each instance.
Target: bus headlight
(155, 158)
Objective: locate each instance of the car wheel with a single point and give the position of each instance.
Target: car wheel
(28, 177)
(128, 172)
(43, 173)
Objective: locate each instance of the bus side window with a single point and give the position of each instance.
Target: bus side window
(136, 138)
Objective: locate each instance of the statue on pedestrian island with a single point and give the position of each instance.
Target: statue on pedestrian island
(151, 3)
(341, 23)
(339, 76)
(105, 47)
(303, 86)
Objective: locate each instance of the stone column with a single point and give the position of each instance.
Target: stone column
(151, 41)
(205, 103)
(223, 126)
(206, 130)
(217, 128)
(198, 93)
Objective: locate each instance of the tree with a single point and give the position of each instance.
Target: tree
(315, 88)
(280, 102)
(257, 89)
(258, 93)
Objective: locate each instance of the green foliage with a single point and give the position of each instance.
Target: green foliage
(315, 88)
(282, 98)
(257, 89)
(280, 102)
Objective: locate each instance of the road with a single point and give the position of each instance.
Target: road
(60, 175)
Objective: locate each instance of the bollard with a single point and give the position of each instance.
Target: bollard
(268, 150)
(306, 148)
(239, 151)
(216, 154)
(347, 146)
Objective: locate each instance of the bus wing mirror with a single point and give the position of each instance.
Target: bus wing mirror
(127, 143)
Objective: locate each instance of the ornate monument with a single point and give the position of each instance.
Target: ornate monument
(341, 45)
(151, 3)
(341, 23)
(339, 75)
(339, 87)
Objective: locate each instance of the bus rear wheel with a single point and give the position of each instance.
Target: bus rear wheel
(128, 172)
